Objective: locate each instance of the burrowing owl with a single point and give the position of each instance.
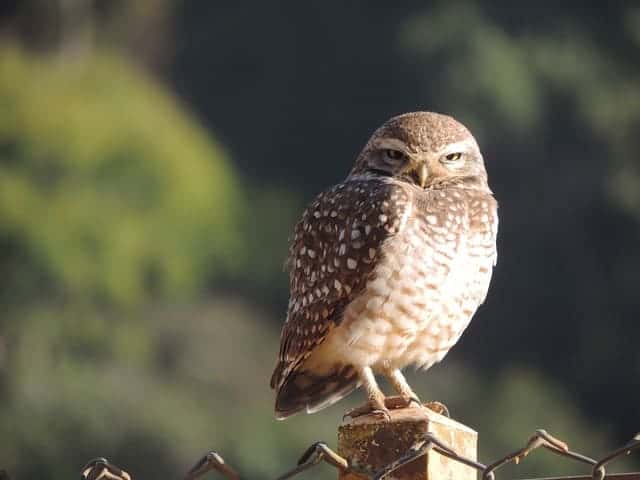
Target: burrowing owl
(388, 267)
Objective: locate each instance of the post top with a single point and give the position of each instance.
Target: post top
(413, 414)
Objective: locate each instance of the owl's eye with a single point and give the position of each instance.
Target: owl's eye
(452, 157)
(394, 154)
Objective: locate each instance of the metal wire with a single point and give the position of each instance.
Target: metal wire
(598, 469)
(316, 453)
(210, 462)
(319, 452)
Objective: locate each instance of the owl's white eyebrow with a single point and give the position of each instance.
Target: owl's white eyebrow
(461, 146)
(391, 144)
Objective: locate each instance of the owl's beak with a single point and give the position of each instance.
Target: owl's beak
(423, 174)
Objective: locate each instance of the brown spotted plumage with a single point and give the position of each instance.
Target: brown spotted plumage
(388, 267)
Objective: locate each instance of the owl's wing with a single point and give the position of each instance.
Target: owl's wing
(334, 249)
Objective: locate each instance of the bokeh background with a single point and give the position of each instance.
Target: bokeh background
(154, 156)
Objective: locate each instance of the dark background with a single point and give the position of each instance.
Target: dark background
(155, 155)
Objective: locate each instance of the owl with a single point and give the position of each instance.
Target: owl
(387, 268)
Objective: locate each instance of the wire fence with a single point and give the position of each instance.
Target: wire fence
(319, 452)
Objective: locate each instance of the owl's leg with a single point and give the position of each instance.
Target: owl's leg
(375, 398)
(406, 395)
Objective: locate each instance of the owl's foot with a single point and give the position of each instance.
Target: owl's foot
(380, 412)
(437, 407)
(401, 401)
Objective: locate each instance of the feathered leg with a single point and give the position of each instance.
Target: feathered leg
(407, 396)
(375, 398)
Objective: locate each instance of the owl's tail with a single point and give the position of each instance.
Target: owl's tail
(306, 391)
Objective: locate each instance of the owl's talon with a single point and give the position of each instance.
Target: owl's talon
(401, 401)
(380, 412)
(438, 407)
(383, 415)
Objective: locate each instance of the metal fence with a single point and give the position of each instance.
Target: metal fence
(102, 469)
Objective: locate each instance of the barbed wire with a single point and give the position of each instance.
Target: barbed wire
(319, 452)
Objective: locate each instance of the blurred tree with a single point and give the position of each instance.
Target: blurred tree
(76, 27)
(108, 190)
(111, 194)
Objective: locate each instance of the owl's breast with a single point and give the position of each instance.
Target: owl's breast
(421, 295)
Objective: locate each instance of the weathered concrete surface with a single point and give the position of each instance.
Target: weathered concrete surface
(371, 443)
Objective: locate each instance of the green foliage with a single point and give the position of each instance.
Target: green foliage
(481, 70)
(107, 187)
(152, 390)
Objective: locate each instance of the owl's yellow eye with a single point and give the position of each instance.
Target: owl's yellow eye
(394, 154)
(452, 157)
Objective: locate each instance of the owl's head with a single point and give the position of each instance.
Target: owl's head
(426, 149)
